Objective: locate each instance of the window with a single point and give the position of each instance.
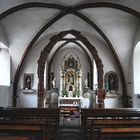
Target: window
(137, 69)
(4, 66)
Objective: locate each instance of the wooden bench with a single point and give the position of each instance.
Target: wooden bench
(106, 133)
(50, 116)
(15, 138)
(108, 123)
(23, 129)
(93, 119)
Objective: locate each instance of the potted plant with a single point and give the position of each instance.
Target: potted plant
(76, 93)
(64, 93)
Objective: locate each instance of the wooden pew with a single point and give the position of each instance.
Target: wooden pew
(105, 133)
(24, 129)
(51, 116)
(15, 138)
(90, 118)
(114, 123)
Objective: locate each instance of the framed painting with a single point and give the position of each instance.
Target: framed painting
(111, 84)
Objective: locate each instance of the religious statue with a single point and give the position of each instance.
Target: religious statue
(86, 83)
(111, 82)
(54, 82)
(28, 82)
(71, 78)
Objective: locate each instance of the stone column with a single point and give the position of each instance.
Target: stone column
(101, 97)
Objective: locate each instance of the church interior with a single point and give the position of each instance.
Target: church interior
(68, 62)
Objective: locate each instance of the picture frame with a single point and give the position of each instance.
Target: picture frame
(111, 84)
(28, 81)
(111, 81)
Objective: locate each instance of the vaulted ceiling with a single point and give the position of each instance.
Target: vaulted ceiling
(108, 21)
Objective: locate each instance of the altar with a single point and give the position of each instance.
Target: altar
(73, 102)
(70, 91)
(69, 101)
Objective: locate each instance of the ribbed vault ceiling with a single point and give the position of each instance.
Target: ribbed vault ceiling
(27, 22)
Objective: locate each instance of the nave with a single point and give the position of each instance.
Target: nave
(70, 134)
(60, 56)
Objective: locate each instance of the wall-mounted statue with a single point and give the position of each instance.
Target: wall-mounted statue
(28, 81)
(112, 82)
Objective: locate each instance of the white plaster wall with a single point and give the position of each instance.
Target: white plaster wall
(5, 67)
(5, 96)
(3, 36)
(27, 100)
(5, 91)
(30, 66)
(25, 24)
(106, 55)
(120, 28)
(113, 102)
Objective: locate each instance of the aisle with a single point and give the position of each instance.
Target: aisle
(70, 134)
(70, 129)
(70, 122)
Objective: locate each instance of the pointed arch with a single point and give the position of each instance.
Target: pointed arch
(64, 10)
(45, 52)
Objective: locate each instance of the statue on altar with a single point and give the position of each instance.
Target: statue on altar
(54, 83)
(86, 83)
(71, 78)
(70, 89)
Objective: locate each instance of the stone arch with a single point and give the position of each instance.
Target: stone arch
(45, 52)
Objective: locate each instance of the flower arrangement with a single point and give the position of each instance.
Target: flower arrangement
(64, 92)
(76, 93)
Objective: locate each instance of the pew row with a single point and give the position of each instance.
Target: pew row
(30, 118)
(95, 119)
(32, 129)
(105, 133)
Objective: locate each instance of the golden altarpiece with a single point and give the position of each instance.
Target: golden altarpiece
(70, 83)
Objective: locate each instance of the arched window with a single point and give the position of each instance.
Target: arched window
(4, 65)
(137, 68)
